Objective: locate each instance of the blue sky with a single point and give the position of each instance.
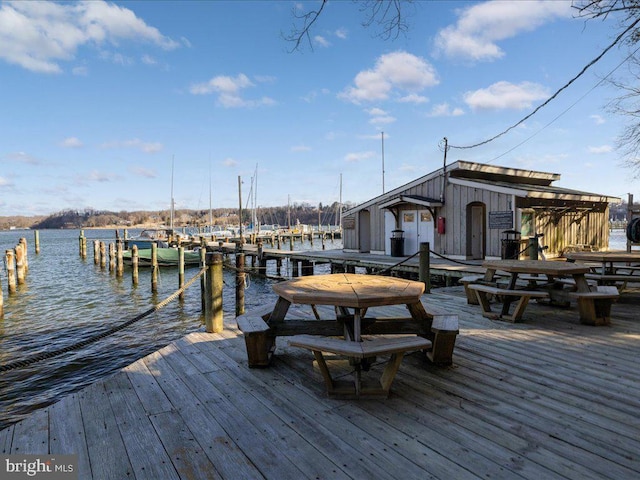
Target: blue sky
(98, 99)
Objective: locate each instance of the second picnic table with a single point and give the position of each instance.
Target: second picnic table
(594, 306)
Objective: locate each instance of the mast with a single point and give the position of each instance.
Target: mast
(210, 210)
(172, 203)
(240, 206)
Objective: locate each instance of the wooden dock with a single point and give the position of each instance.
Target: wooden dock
(304, 262)
(549, 398)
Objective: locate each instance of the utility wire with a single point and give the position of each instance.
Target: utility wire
(568, 108)
(564, 87)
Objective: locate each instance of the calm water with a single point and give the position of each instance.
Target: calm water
(66, 299)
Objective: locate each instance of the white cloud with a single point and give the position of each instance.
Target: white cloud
(23, 157)
(393, 72)
(229, 88)
(229, 162)
(5, 183)
(359, 156)
(479, 27)
(80, 71)
(143, 172)
(38, 36)
(322, 41)
(341, 33)
(413, 98)
(600, 149)
(300, 148)
(598, 120)
(445, 110)
(503, 95)
(71, 142)
(146, 147)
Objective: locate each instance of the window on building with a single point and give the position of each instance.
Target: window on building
(528, 224)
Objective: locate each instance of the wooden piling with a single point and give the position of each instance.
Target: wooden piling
(134, 264)
(36, 241)
(80, 238)
(240, 278)
(10, 264)
(83, 247)
(119, 259)
(203, 254)
(103, 255)
(290, 240)
(154, 268)
(96, 252)
(20, 268)
(25, 253)
(112, 257)
(213, 315)
(181, 270)
(424, 273)
(1, 302)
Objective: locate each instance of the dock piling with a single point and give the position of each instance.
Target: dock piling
(213, 315)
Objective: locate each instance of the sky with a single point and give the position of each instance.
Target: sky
(121, 106)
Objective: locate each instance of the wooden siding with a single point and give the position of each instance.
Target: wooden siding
(570, 229)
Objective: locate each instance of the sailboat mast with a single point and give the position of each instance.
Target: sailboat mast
(210, 210)
(172, 204)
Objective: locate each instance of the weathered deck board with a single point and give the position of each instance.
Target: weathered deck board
(547, 398)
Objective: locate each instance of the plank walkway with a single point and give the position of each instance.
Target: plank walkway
(548, 398)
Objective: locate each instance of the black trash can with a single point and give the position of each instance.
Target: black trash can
(397, 243)
(510, 245)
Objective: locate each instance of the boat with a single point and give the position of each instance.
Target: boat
(167, 257)
(162, 237)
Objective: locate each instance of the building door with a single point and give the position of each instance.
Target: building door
(364, 232)
(389, 226)
(410, 226)
(425, 228)
(475, 231)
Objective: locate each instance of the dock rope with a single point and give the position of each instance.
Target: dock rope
(76, 346)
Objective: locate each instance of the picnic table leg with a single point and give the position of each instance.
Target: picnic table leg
(506, 301)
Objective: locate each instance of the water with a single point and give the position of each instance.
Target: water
(67, 299)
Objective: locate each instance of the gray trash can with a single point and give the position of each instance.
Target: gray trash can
(510, 245)
(397, 243)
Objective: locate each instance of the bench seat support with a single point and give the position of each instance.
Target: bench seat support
(359, 351)
(595, 307)
(260, 342)
(483, 292)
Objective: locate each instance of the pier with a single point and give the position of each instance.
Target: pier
(546, 398)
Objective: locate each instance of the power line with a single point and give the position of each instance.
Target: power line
(564, 87)
(568, 108)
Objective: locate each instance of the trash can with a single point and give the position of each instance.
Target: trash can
(397, 243)
(510, 245)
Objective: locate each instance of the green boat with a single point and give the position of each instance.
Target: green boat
(167, 257)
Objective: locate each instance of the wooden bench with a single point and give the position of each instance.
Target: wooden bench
(595, 307)
(466, 281)
(611, 279)
(394, 346)
(259, 341)
(482, 292)
(444, 330)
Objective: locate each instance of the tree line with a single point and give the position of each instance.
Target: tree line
(284, 216)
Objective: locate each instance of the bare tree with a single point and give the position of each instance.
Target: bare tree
(390, 16)
(627, 15)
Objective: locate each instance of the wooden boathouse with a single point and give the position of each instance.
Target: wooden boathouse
(464, 210)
